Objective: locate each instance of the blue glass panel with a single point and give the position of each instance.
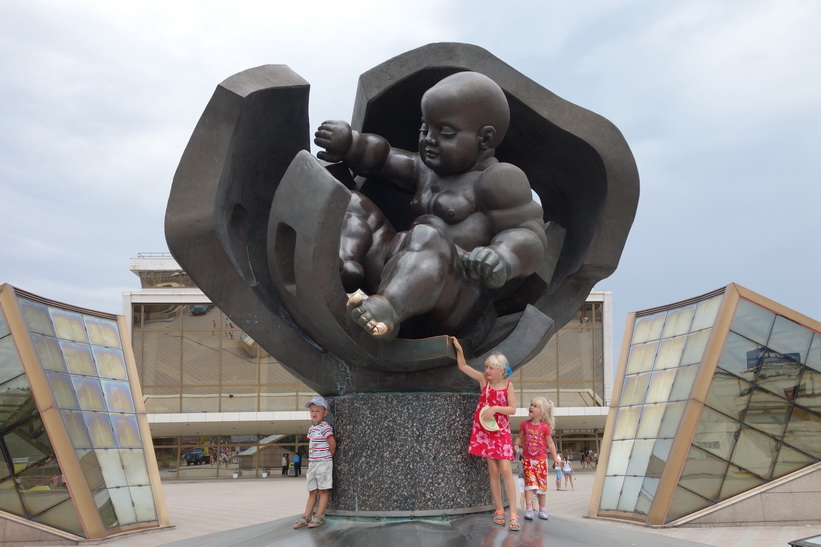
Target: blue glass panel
(753, 321)
(790, 338)
(703, 473)
(740, 355)
(716, 433)
(10, 364)
(4, 326)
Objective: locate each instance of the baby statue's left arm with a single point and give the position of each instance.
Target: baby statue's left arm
(519, 242)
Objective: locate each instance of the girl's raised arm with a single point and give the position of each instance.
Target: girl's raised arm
(463, 365)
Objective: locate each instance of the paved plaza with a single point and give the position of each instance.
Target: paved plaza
(201, 509)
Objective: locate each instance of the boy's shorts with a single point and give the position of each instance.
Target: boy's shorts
(559, 474)
(535, 473)
(320, 475)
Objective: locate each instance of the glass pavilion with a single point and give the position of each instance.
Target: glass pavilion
(75, 448)
(714, 397)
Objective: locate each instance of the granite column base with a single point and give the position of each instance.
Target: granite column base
(405, 455)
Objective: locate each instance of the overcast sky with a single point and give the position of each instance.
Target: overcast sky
(720, 102)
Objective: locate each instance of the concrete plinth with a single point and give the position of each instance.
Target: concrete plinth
(405, 455)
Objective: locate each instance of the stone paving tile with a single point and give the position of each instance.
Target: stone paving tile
(200, 508)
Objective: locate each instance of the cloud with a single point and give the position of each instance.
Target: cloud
(720, 102)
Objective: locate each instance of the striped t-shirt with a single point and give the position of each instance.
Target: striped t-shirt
(318, 447)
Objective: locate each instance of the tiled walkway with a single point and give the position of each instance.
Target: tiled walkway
(200, 508)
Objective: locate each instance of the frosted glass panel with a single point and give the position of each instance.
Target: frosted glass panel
(634, 389)
(626, 421)
(134, 461)
(641, 357)
(112, 468)
(123, 506)
(68, 325)
(648, 328)
(619, 457)
(694, 348)
(640, 458)
(110, 362)
(706, 312)
(99, 426)
(77, 430)
(89, 393)
(660, 385)
(63, 390)
(143, 503)
(102, 332)
(650, 421)
(49, 352)
(118, 396)
(78, 358)
(669, 354)
(678, 322)
(126, 430)
(611, 492)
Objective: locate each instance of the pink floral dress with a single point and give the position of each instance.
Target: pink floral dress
(492, 444)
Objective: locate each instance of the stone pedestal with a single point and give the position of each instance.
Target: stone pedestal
(405, 455)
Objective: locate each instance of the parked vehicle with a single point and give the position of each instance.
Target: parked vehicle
(196, 456)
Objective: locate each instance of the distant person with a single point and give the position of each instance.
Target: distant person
(567, 471)
(557, 468)
(536, 438)
(297, 464)
(321, 448)
(285, 464)
(498, 401)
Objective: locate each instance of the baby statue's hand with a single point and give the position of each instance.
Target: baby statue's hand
(336, 137)
(486, 264)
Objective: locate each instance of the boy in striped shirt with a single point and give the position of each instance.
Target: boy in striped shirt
(321, 448)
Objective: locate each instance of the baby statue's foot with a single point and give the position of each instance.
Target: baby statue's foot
(374, 314)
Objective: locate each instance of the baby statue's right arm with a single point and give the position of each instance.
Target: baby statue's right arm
(365, 153)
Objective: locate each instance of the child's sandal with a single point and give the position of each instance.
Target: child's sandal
(529, 514)
(318, 520)
(514, 524)
(303, 521)
(499, 518)
(542, 514)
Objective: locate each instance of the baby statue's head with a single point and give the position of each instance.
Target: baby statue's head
(464, 116)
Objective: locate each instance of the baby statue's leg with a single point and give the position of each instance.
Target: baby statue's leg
(422, 275)
(365, 236)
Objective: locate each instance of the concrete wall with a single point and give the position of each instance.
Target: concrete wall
(793, 500)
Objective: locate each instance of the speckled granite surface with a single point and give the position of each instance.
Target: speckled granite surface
(405, 454)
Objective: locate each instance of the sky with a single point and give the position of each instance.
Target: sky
(720, 103)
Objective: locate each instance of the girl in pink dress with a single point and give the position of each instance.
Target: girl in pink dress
(498, 400)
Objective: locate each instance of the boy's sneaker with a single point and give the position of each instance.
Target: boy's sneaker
(529, 514)
(542, 514)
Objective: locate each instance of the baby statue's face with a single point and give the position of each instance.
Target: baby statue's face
(449, 139)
